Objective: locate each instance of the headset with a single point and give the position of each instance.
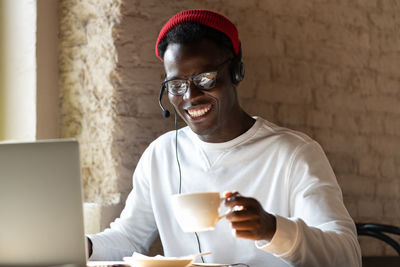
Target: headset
(165, 111)
(237, 69)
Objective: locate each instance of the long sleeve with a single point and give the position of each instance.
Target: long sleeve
(135, 229)
(284, 170)
(320, 231)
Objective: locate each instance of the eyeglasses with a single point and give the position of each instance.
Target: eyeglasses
(203, 81)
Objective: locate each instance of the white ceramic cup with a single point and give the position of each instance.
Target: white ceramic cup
(197, 212)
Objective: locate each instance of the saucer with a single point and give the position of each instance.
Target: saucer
(208, 264)
(158, 261)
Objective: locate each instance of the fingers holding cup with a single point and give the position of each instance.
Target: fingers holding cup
(248, 218)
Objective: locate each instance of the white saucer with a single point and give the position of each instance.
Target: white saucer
(208, 264)
(158, 262)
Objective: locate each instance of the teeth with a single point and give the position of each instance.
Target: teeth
(198, 112)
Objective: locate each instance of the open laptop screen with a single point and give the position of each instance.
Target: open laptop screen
(41, 214)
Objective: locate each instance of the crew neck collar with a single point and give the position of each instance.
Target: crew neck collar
(231, 143)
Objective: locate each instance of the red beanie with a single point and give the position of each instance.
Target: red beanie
(205, 17)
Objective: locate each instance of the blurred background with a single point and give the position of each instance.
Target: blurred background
(330, 68)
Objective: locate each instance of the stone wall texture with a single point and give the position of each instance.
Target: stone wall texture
(329, 68)
(87, 62)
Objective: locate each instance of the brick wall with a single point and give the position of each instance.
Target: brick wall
(328, 68)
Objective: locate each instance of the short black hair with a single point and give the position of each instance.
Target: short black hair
(191, 32)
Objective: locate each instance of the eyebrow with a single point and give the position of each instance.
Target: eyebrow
(179, 78)
(210, 67)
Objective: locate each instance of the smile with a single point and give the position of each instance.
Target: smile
(198, 112)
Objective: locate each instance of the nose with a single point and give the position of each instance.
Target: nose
(192, 92)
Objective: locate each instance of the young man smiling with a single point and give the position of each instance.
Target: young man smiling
(214, 115)
(289, 211)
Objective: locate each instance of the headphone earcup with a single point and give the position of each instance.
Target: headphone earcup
(238, 72)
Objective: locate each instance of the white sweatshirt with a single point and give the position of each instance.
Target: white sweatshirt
(286, 171)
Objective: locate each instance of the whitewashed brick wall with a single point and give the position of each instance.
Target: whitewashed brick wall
(330, 68)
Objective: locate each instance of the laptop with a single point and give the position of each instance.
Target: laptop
(41, 209)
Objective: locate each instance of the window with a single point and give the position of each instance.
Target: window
(28, 69)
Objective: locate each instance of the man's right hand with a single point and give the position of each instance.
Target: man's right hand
(248, 218)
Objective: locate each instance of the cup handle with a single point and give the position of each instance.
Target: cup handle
(226, 213)
(235, 208)
(223, 215)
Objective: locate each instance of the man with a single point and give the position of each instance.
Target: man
(289, 211)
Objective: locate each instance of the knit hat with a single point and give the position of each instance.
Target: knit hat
(205, 17)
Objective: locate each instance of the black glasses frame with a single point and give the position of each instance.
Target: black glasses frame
(190, 79)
